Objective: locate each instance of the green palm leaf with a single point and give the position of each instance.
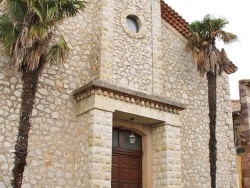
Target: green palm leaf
(37, 31)
(7, 34)
(202, 37)
(58, 52)
(17, 9)
(39, 12)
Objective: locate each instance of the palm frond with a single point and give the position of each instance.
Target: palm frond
(17, 9)
(201, 43)
(39, 11)
(27, 30)
(219, 23)
(223, 57)
(37, 32)
(51, 12)
(71, 8)
(227, 37)
(58, 52)
(7, 33)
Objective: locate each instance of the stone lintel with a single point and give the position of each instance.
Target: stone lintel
(119, 93)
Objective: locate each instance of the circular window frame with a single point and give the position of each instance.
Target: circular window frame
(139, 19)
(133, 20)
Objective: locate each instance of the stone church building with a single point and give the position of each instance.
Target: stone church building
(127, 77)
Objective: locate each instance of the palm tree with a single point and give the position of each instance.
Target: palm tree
(28, 31)
(211, 61)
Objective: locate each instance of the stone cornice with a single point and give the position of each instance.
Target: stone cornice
(126, 95)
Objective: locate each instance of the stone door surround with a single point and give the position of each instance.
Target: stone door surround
(102, 106)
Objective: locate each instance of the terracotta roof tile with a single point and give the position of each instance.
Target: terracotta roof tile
(174, 19)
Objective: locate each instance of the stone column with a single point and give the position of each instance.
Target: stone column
(94, 138)
(245, 102)
(157, 62)
(166, 157)
(107, 43)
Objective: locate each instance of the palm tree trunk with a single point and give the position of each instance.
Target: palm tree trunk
(211, 77)
(30, 82)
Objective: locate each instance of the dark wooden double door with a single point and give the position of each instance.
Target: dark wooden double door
(126, 168)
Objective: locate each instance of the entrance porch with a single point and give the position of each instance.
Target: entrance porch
(102, 108)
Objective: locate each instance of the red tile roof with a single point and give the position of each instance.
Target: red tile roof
(174, 19)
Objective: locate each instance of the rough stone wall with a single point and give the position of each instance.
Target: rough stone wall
(94, 149)
(167, 157)
(102, 50)
(94, 28)
(132, 65)
(242, 123)
(245, 102)
(106, 21)
(235, 105)
(242, 114)
(227, 167)
(52, 142)
(183, 84)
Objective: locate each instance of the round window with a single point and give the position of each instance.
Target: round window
(132, 24)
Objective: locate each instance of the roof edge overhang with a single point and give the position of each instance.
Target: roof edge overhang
(174, 19)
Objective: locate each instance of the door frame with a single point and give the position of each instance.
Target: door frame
(145, 131)
(122, 152)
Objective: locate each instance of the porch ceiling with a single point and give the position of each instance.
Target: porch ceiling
(137, 119)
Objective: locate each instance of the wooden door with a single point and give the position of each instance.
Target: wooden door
(126, 166)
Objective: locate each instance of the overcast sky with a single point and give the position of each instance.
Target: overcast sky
(238, 15)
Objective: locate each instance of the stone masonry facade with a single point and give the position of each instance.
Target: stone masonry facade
(241, 116)
(168, 173)
(70, 141)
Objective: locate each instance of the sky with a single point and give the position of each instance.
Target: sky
(238, 14)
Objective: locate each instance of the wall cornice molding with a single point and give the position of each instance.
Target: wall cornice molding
(97, 87)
